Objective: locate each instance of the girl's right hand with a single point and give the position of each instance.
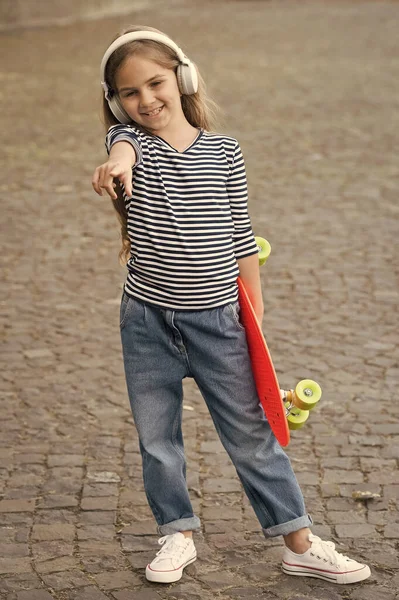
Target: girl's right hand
(103, 177)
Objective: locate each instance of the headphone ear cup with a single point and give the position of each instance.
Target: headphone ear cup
(187, 79)
(118, 111)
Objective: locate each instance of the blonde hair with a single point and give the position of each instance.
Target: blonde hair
(199, 109)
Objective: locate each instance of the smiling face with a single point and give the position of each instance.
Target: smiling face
(149, 94)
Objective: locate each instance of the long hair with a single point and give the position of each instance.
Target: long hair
(199, 109)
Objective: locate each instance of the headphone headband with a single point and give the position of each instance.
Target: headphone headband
(131, 37)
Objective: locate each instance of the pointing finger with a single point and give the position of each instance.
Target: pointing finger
(127, 183)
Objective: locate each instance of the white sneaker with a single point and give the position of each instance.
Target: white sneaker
(177, 552)
(324, 562)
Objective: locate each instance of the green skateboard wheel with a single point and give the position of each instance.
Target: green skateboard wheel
(264, 249)
(307, 394)
(297, 418)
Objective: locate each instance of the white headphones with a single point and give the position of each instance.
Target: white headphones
(187, 77)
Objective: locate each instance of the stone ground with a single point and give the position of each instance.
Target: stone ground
(311, 91)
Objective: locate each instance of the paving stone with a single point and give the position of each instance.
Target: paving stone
(394, 582)
(139, 560)
(95, 532)
(372, 592)
(69, 460)
(376, 464)
(377, 504)
(110, 503)
(391, 451)
(140, 528)
(17, 550)
(227, 526)
(100, 490)
(343, 504)
(334, 476)
(221, 485)
(23, 581)
(306, 478)
(383, 477)
(366, 440)
(379, 518)
(247, 592)
(49, 550)
(324, 594)
(227, 541)
(30, 458)
(136, 595)
(55, 565)
(383, 558)
(17, 505)
(391, 531)
(354, 530)
(117, 580)
(352, 451)
(65, 580)
(191, 591)
(14, 534)
(129, 497)
(97, 517)
(132, 543)
(230, 500)
(220, 513)
(104, 477)
(391, 492)
(55, 517)
(55, 531)
(86, 593)
(15, 565)
(350, 517)
(98, 557)
(211, 447)
(339, 463)
(323, 531)
(34, 595)
(219, 580)
(257, 572)
(39, 353)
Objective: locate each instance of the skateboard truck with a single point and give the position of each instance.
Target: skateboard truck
(300, 401)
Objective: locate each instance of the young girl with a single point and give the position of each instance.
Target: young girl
(182, 204)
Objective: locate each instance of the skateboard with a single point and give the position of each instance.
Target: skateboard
(285, 410)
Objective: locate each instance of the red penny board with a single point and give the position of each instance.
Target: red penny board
(263, 371)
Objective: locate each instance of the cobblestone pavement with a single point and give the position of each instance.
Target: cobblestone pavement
(311, 91)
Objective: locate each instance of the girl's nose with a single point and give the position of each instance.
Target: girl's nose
(146, 98)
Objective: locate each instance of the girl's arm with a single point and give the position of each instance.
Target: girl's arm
(249, 273)
(122, 157)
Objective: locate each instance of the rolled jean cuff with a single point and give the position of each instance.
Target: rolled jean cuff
(180, 525)
(288, 527)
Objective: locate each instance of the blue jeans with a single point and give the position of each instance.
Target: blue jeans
(160, 348)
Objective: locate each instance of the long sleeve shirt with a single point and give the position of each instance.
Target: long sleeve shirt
(188, 220)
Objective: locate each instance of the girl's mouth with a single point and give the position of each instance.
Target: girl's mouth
(154, 113)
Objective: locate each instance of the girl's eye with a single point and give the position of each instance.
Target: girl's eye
(134, 92)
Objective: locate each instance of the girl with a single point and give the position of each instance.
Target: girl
(186, 237)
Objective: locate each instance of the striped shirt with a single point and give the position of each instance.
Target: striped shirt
(187, 221)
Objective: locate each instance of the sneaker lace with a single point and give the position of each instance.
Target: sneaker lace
(171, 548)
(326, 551)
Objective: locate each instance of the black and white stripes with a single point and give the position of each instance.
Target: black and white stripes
(187, 220)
